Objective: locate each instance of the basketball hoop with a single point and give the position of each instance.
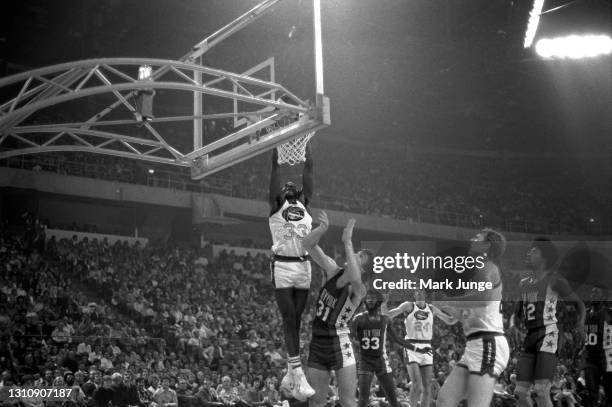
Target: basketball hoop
(294, 152)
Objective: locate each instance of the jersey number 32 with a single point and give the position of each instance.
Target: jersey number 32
(291, 231)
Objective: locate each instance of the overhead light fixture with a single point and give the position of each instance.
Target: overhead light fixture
(574, 46)
(572, 30)
(145, 72)
(144, 97)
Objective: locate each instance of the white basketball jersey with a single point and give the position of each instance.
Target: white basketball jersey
(419, 323)
(289, 225)
(484, 319)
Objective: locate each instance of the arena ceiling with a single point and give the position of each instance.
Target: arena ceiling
(439, 73)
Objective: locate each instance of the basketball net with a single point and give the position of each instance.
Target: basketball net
(294, 152)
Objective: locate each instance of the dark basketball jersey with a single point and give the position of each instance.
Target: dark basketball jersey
(539, 303)
(594, 327)
(371, 334)
(598, 332)
(334, 309)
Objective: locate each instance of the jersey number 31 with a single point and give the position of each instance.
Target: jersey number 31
(323, 311)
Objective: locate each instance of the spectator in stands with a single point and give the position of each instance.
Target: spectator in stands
(228, 393)
(269, 394)
(253, 394)
(106, 362)
(165, 396)
(103, 396)
(120, 398)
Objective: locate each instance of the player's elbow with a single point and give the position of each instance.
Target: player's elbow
(359, 289)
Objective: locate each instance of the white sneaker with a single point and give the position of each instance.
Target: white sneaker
(301, 389)
(287, 383)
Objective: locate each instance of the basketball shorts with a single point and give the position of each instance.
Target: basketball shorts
(331, 352)
(421, 359)
(600, 359)
(538, 358)
(379, 365)
(485, 353)
(598, 371)
(291, 274)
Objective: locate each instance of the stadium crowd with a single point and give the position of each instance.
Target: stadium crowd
(537, 195)
(150, 326)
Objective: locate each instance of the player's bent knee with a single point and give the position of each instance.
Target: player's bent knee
(318, 400)
(521, 390)
(347, 400)
(542, 390)
(444, 400)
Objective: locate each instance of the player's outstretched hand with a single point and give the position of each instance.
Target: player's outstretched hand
(347, 235)
(323, 220)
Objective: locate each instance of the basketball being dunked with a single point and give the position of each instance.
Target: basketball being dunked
(290, 222)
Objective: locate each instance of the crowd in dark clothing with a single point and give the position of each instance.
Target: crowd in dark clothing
(86, 310)
(513, 194)
(119, 322)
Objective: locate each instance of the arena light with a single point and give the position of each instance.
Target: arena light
(534, 21)
(144, 98)
(145, 72)
(574, 46)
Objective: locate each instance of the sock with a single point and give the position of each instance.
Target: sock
(294, 362)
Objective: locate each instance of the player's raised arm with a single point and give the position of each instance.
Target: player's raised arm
(517, 315)
(311, 241)
(560, 285)
(353, 326)
(353, 265)
(403, 307)
(446, 318)
(275, 181)
(308, 177)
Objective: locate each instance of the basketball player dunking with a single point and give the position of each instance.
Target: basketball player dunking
(339, 298)
(419, 331)
(290, 222)
(486, 351)
(370, 329)
(540, 292)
